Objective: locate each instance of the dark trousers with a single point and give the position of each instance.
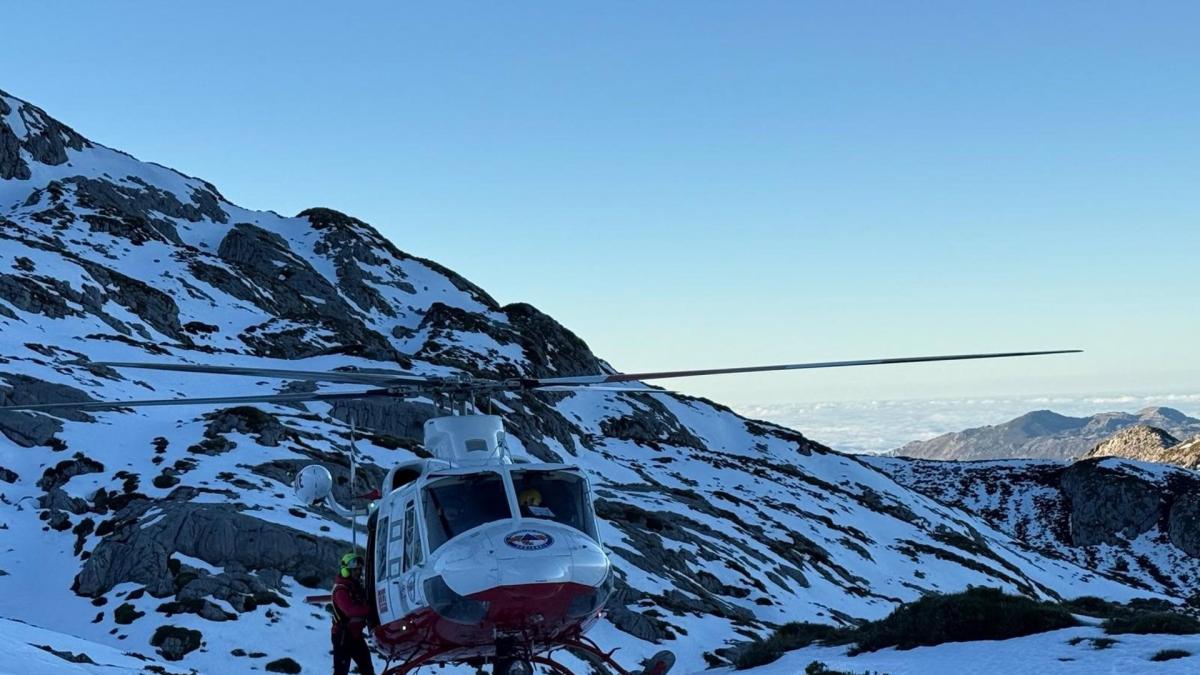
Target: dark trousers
(346, 647)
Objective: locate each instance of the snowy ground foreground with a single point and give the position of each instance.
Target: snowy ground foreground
(23, 651)
(1052, 653)
(1045, 653)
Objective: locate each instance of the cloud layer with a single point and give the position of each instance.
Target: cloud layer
(879, 426)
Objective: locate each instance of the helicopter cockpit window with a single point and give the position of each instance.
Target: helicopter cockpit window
(460, 503)
(560, 496)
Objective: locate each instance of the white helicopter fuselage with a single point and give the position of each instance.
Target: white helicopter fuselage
(469, 549)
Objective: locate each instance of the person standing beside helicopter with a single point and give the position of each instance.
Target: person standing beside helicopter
(350, 614)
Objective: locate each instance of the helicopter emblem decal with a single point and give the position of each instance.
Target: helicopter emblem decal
(529, 540)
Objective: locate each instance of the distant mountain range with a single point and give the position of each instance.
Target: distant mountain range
(1043, 434)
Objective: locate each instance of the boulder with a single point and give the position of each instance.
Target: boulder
(174, 642)
(29, 429)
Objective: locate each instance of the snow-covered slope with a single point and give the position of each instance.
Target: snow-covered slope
(1135, 521)
(120, 525)
(31, 650)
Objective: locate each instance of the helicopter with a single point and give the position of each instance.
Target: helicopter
(475, 557)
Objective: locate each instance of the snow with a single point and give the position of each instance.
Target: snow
(20, 645)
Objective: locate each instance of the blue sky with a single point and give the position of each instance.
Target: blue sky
(708, 183)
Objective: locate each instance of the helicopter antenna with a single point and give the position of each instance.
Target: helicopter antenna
(353, 483)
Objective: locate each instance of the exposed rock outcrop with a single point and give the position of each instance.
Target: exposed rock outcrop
(1108, 506)
(1136, 521)
(27, 129)
(1183, 523)
(1185, 454)
(145, 534)
(1150, 444)
(1138, 442)
(29, 429)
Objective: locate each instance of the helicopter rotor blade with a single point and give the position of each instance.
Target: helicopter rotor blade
(594, 387)
(630, 377)
(261, 398)
(401, 385)
(338, 376)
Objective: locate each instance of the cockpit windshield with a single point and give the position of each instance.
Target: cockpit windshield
(561, 496)
(459, 503)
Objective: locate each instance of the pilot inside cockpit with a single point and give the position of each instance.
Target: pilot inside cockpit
(530, 500)
(557, 495)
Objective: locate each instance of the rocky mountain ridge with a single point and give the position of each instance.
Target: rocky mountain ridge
(1043, 434)
(1149, 444)
(1135, 521)
(170, 532)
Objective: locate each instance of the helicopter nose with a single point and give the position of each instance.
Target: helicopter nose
(510, 554)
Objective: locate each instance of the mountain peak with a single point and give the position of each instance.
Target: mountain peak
(1163, 413)
(1039, 422)
(1137, 442)
(28, 134)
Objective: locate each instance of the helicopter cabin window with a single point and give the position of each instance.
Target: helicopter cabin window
(456, 504)
(396, 546)
(413, 554)
(560, 496)
(381, 547)
(476, 445)
(403, 477)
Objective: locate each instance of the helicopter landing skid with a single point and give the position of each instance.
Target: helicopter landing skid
(659, 664)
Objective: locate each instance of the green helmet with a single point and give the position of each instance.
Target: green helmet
(351, 562)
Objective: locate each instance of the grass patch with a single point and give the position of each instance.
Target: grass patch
(1141, 615)
(1090, 605)
(789, 637)
(975, 614)
(1170, 655)
(1152, 622)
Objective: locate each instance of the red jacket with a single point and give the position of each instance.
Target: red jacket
(350, 608)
